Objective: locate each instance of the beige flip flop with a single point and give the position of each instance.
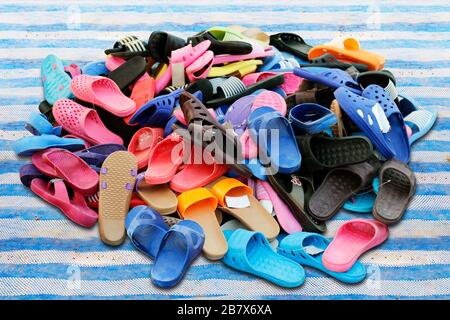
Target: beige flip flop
(199, 205)
(237, 199)
(117, 178)
(157, 196)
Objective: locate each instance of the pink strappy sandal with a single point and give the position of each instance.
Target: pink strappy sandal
(102, 92)
(83, 122)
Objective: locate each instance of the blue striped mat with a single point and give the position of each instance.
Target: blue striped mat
(42, 255)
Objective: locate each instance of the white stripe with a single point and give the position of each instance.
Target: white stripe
(442, 135)
(20, 73)
(430, 156)
(21, 112)
(10, 178)
(231, 289)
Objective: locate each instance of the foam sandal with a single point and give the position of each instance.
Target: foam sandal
(397, 185)
(236, 69)
(199, 205)
(369, 116)
(263, 120)
(38, 124)
(329, 61)
(291, 189)
(307, 249)
(165, 159)
(26, 146)
(95, 68)
(124, 73)
(237, 199)
(83, 122)
(339, 185)
(397, 135)
(146, 229)
(234, 224)
(420, 122)
(349, 50)
(333, 78)
(102, 92)
(250, 252)
(382, 78)
(95, 156)
(128, 47)
(55, 80)
(157, 196)
(311, 118)
(292, 43)
(200, 68)
(143, 142)
(161, 44)
(181, 245)
(219, 46)
(57, 193)
(117, 178)
(325, 153)
(352, 239)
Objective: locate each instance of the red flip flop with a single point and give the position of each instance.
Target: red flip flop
(56, 193)
(73, 170)
(143, 142)
(196, 174)
(165, 159)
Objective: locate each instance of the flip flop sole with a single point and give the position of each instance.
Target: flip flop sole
(117, 178)
(55, 80)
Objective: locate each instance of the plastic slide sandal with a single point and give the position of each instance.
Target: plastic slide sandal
(397, 185)
(199, 205)
(333, 78)
(420, 122)
(102, 92)
(83, 122)
(38, 124)
(348, 50)
(383, 78)
(124, 73)
(339, 185)
(237, 114)
(257, 53)
(26, 146)
(406, 104)
(231, 34)
(234, 224)
(95, 156)
(292, 43)
(181, 245)
(28, 172)
(254, 34)
(290, 85)
(71, 168)
(157, 196)
(143, 142)
(128, 47)
(369, 116)
(250, 252)
(219, 46)
(352, 239)
(361, 203)
(165, 159)
(263, 123)
(200, 68)
(161, 44)
(307, 249)
(311, 118)
(95, 68)
(146, 229)
(55, 80)
(237, 199)
(46, 109)
(74, 207)
(397, 135)
(329, 61)
(238, 69)
(117, 178)
(265, 98)
(198, 172)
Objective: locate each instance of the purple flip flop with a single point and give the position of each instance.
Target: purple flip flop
(95, 155)
(238, 113)
(28, 172)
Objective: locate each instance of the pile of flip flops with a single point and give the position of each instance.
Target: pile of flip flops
(232, 143)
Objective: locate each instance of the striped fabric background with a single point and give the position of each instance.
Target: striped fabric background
(43, 255)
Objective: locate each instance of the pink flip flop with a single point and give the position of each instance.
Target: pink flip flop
(42, 165)
(56, 193)
(284, 215)
(290, 85)
(165, 159)
(352, 239)
(83, 122)
(143, 142)
(257, 52)
(186, 55)
(102, 92)
(271, 99)
(196, 175)
(73, 170)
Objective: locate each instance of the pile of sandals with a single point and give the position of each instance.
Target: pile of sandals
(232, 143)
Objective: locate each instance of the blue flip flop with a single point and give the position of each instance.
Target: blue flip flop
(55, 80)
(261, 123)
(407, 104)
(38, 124)
(333, 78)
(361, 203)
(420, 122)
(146, 229)
(181, 245)
(26, 146)
(95, 68)
(361, 112)
(311, 118)
(250, 252)
(396, 136)
(307, 249)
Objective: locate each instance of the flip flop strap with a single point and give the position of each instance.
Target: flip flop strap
(60, 190)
